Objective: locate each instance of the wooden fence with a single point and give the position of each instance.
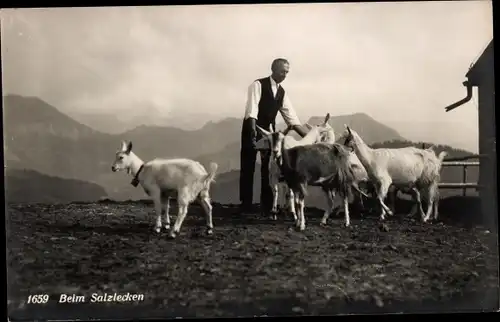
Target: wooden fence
(458, 162)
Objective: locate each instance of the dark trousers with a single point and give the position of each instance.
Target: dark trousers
(248, 157)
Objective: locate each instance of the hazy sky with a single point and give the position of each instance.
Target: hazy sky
(401, 63)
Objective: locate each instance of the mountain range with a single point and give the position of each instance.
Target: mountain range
(40, 138)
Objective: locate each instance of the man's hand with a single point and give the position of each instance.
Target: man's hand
(254, 142)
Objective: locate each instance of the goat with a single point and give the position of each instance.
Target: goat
(405, 168)
(163, 179)
(432, 172)
(360, 178)
(321, 164)
(319, 133)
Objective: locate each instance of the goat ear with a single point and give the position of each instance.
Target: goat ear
(327, 117)
(124, 146)
(348, 129)
(129, 147)
(262, 130)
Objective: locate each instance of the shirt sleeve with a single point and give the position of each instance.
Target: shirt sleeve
(288, 112)
(253, 97)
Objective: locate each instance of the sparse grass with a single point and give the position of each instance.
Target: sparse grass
(250, 266)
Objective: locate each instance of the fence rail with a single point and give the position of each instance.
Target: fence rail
(474, 156)
(464, 185)
(461, 162)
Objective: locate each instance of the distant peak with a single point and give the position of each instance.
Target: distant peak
(221, 121)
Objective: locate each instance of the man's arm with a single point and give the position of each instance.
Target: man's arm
(253, 96)
(252, 107)
(290, 117)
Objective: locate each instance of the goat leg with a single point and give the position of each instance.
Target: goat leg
(166, 209)
(291, 203)
(414, 208)
(431, 194)
(346, 212)
(302, 215)
(302, 207)
(381, 195)
(180, 218)
(419, 203)
(207, 207)
(274, 209)
(158, 210)
(392, 195)
(297, 209)
(330, 198)
(436, 206)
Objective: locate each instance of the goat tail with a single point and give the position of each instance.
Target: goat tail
(212, 172)
(442, 155)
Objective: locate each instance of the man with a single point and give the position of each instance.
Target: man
(266, 97)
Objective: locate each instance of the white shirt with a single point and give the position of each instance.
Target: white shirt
(252, 107)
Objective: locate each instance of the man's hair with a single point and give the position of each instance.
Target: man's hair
(278, 61)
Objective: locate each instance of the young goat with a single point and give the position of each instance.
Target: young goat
(163, 179)
(360, 179)
(320, 164)
(405, 168)
(319, 133)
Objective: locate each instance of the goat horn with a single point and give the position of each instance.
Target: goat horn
(327, 118)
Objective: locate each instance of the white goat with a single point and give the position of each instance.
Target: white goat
(163, 179)
(319, 133)
(408, 169)
(432, 170)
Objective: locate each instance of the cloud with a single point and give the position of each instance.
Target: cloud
(393, 61)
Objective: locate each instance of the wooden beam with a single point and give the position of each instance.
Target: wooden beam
(459, 185)
(460, 163)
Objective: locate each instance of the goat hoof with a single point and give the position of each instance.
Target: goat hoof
(167, 227)
(157, 230)
(323, 223)
(347, 225)
(210, 231)
(172, 235)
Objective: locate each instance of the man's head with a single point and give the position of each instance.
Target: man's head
(279, 68)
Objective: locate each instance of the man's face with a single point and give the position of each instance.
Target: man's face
(280, 72)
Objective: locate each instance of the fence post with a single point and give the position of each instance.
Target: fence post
(464, 169)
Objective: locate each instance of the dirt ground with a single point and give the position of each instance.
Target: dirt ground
(251, 266)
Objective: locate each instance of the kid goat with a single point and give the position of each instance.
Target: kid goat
(163, 179)
(321, 164)
(410, 169)
(318, 133)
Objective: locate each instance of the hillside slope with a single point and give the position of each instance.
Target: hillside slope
(27, 186)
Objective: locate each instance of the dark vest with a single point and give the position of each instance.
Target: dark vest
(269, 106)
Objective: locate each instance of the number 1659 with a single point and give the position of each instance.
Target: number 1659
(38, 299)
